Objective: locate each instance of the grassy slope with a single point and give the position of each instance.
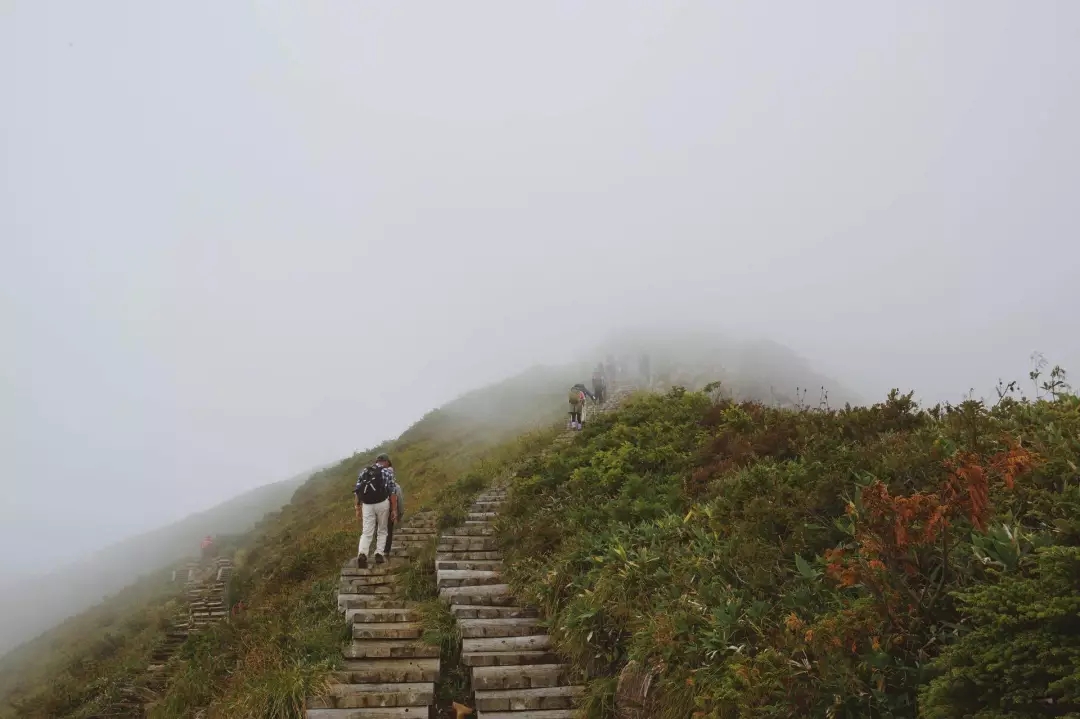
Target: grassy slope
(34, 605)
(776, 563)
(265, 662)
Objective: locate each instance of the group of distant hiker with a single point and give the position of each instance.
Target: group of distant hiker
(603, 375)
(380, 504)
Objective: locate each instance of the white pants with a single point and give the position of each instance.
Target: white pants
(374, 514)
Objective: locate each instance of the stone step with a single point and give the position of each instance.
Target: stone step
(506, 644)
(467, 611)
(486, 506)
(481, 516)
(369, 696)
(380, 713)
(395, 614)
(353, 600)
(482, 565)
(500, 627)
(389, 649)
(486, 594)
(538, 714)
(388, 630)
(528, 699)
(466, 577)
(511, 658)
(523, 676)
(467, 556)
(374, 671)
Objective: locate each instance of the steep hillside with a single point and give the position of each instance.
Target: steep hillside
(31, 605)
(269, 658)
(766, 562)
(762, 561)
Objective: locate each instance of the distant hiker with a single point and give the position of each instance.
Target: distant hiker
(207, 547)
(400, 496)
(376, 506)
(644, 370)
(599, 383)
(577, 396)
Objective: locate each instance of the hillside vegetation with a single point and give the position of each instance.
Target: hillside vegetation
(265, 661)
(761, 561)
(765, 562)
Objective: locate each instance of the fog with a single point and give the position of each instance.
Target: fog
(242, 240)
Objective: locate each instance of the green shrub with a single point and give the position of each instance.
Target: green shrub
(778, 563)
(1021, 654)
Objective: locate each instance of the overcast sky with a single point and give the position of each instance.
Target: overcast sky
(242, 239)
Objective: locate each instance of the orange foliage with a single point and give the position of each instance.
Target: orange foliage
(891, 529)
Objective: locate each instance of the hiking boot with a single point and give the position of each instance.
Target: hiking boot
(379, 559)
(361, 561)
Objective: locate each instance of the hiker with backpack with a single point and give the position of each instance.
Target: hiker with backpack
(376, 507)
(578, 393)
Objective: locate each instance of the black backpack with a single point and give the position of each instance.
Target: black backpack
(372, 488)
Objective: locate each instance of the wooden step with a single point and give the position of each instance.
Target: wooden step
(522, 676)
(466, 577)
(476, 530)
(395, 614)
(467, 544)
(459, 556)
(486, 594)
(372, 569)
(351, 588)
(538, 714)
(380, 713)
(370, 696)
(351, 600)
(501, 627)
(388, 630)
(371, 580)
(374, 671)
(506, 644)
(388, 649)
(466, 611)
(483, 565)
(528, 699)
(510, 658)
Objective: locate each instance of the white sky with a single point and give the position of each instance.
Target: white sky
(241, 239)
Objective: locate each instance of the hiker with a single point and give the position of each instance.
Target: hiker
(207, 547)
(376, 506)
(644, 370)
(578, 393)
(400, 496)
(599, 383)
